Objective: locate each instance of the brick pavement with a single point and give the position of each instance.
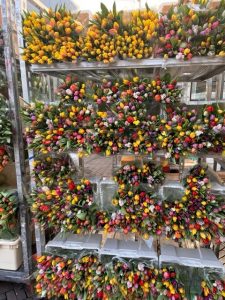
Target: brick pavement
(15, 291)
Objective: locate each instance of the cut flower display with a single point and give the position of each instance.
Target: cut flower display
(187, 30)
(87, 277)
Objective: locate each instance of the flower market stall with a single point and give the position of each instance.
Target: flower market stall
(135, 233)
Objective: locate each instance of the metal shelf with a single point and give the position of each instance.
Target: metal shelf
(14, 276)
(197, 69)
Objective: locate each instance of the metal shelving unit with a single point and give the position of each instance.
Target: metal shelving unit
(198, 69)
(9, 9)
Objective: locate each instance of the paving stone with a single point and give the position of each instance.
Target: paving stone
(5, 287)
(11, 295)
(20, 293)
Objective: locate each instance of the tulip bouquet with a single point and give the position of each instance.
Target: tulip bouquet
(152, 174)
(135, 280)
(87, 277)
(71, 90)
(107, 92)
(78, 208)
(91, 272)
(134, 176)
(103, 221)
(213, 289)
(137, 37)
(54, 277)
(199, 215)
(46, 205)
(137, 211)
(168, 284)
(53, 128)
(138, 90)
(99, 41)
(185, 32)
(8, 208)
(213, 119)
(51, 36)
(182, 132)
(48, 170)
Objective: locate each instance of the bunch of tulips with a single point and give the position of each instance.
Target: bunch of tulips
(49, 169)
(199, 214)
(67, 206)
(137, 211)
(130, 174)
(87, 277)
(213, 289)
(51, 36)
(8, 208)
(187, 30)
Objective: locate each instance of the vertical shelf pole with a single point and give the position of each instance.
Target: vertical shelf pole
(11, 73)
(21, 5)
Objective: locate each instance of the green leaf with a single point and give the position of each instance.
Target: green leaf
(81, 215)
(114, 8)
(104, 9)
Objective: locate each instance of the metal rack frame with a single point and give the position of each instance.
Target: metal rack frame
(23, 274)
(198, 69)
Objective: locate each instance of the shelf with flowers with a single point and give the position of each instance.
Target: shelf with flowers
(87, 276)
(137, 39)
(137, 207)
(123, 120)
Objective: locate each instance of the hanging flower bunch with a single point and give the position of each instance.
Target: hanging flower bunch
(71, 90)
(106, 92)
(102, 221)
(86, 277)
(185, 32)
(213, 290)
(138, 90)
(59, 269)
(134, 176)
(137, 37)
(99, 41)
(198, 215)
(46, 205)
(78, 208)
(53, 128)
(8, 208)
(184, 132)
(68, 207)
(168, 284)
(51, 36)
(91, 272)
(133, 280)
(137, 211)
(48, 170)
(214, 124)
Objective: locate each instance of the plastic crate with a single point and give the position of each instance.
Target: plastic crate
(10, 254)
